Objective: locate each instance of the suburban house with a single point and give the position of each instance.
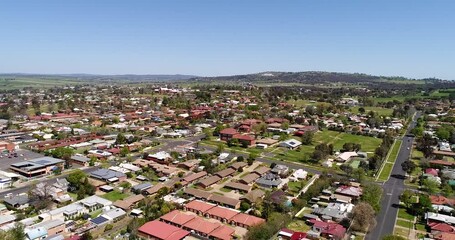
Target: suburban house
(38, 166)
(269, 180)
(161, 231)
(160, 157)
(291, 144)
(107, 175)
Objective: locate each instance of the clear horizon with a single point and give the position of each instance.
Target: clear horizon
(412, 39)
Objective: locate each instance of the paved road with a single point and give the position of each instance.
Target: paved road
(392, 189)
(25, 189)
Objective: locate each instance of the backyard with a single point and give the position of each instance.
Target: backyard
(114, 196)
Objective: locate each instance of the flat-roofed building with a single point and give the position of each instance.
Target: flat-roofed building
(38, 166)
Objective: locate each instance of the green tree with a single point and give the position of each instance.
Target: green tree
(408, 166)
(363, 217)
(307, 138)
(406, 198)
(431, 186)
(372, 195)
(121, 139)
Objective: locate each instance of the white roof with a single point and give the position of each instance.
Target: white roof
(160, 155)
(300, 173)
(440, 217)
(347, 155)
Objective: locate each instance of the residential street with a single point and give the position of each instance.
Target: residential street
(392, 189)
(26, 188)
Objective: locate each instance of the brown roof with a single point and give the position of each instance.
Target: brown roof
(209, 181)
(266, 141)
(238, 186)
(128, 202)
(224, 200)
(261, 170)
(226, 172)
(141, 162)
(155, 188)
(197, 193)
(238, 165)
(254, 195)
(250, 178)
(192, 177)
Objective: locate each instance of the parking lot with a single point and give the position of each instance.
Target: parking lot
(6, 159)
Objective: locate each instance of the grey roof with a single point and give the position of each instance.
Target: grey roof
(114, 213)
(142, 186)
(50, 224)
(270, 180)
(37, 163)
(106, 174)
(7, 218)
(18, 199)
(80, 158)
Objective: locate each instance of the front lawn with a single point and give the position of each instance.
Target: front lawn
(404, 223)
(402, 232)
(114, 196)
(404, 215)
(298, 225)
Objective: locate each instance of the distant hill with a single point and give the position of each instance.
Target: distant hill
(102, 78)
(310, 77)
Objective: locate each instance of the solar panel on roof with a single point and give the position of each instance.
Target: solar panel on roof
(99, 220)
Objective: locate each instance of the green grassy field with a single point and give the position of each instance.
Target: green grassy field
(303, 103)
(114, 196)
(379, 110)
(8, 83)
(338, 139)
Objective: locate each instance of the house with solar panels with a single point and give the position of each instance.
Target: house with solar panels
(38, 166)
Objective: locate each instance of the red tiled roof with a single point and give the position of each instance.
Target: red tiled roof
(247, 220)
(223, 232)
(441, 227)
(177, 217)
(298, 236)
(163, 231)
(199, 206)
(229, 131)
(329, 228)
(441, 200)
(222, 212)
(442, 162)
(432, 171)
(200, 225)
(444, 236)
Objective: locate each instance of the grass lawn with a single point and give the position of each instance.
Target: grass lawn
(385, 173)
(96, 213)
(303, 103)
(225, 189)
(338, 139)
(298, 225)
(295, 186)
(416, 154)
(404, 223)
(380, 110)
(114, 196)
(403, 214)
(402, 232)
(420, 227)
(73, 195)
(394, 152)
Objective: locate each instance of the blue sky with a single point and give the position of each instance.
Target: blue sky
(413, 38)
